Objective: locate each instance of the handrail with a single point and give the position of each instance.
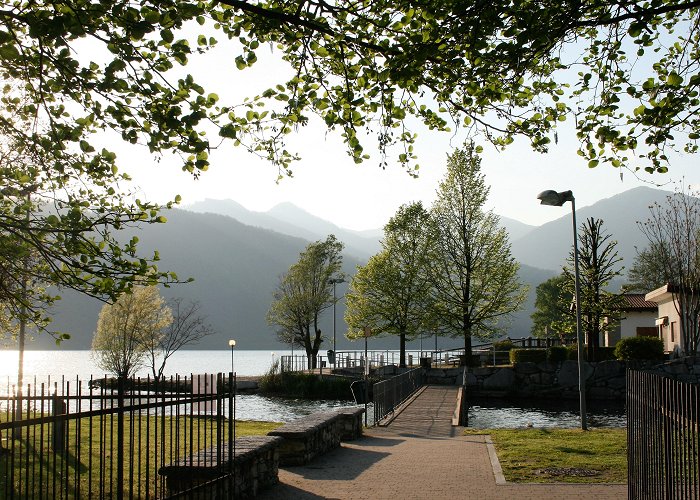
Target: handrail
(389, 394)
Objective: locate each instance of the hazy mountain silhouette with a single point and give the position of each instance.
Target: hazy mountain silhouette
(236, 263)
(236, 269)
(548, 246)
(291, 220)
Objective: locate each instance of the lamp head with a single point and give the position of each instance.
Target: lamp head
(232, 343)
(552, 198)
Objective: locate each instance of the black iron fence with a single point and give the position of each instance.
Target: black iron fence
(662, 437)
(104, 438)
(389, 394)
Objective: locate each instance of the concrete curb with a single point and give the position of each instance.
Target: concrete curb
(495, 464)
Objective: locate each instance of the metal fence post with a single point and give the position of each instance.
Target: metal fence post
(120, 438)
(58, 438)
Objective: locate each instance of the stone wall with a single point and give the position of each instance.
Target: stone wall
(604, 380)
(683, 369)
(255, 467)
(307, 437)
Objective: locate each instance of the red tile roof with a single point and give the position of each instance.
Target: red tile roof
(636, 302)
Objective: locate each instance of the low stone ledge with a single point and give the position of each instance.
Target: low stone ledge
(350, 423)
(255, 466)
(307, 437)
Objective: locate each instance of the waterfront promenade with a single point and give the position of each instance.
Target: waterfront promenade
(419, 455)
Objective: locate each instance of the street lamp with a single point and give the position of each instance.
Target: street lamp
(555, 199)
(232, 344)
(334, 281)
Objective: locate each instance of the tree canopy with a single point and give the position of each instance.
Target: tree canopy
(473, 274)
(303, 293)
(391, 294)
(552, 304)
(125, 328)
(625, 71)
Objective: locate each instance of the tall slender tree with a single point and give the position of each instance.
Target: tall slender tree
(474, 275)
(599, 264)
(304, 292)
(391, 293)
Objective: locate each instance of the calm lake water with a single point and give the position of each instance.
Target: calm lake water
(41, 365)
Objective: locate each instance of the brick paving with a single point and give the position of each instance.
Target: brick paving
(419, 455)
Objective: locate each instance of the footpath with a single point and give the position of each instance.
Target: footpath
(419, 455)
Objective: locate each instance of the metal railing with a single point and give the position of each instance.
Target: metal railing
(389, 394)
(662, 437)
(105, 438)
(386, 357)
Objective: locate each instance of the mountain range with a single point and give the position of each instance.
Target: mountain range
(236, 257)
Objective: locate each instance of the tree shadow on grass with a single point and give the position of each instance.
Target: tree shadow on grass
(577, 451)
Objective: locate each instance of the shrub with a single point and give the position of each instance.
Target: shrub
(605, 354)
(524, 355)
(557, 354)
(639, 348)
(572, 352)
(304, 385)
(503, 345)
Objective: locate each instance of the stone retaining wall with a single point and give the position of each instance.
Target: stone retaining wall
(604, 380)
(310, 436)
(255, 467)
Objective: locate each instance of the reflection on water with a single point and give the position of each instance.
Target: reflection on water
(496, 414)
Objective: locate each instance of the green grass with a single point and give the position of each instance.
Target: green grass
(560, 455)
(87, 463)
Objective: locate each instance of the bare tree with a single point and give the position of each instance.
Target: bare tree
(188, 327)
(600, 264)
(125, 327)
(673, 231)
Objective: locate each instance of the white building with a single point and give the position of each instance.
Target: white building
(637, 319)
(668, 321)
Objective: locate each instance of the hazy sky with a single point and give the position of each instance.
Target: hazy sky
(328, 184)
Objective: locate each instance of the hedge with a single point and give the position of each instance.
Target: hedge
(639, 348)
(557, 354)
(525, 355)
(503, 345)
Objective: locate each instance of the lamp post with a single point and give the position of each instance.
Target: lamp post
(555, 199)
(334, 281)
(232, 344)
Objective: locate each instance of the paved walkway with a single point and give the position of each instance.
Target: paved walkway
(418, 456)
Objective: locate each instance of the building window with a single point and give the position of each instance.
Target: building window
(647, 331)
(673, 331)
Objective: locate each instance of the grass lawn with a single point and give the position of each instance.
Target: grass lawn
(87, 467)
(560, 455)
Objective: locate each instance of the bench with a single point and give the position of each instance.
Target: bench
(255, 466)
(315, 434)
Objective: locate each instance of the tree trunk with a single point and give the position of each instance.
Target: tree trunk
(402, 349)
(467, 360)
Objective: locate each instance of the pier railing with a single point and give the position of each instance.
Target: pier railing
(105, 438)
(389, 394)
(486, 354)
(663, 418)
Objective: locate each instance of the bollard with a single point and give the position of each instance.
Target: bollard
(58, 437)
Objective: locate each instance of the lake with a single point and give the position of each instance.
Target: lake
(482, 414)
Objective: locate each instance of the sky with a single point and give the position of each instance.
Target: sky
(328, 184)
